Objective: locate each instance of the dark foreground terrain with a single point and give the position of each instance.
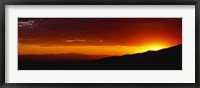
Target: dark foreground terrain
(165, 59)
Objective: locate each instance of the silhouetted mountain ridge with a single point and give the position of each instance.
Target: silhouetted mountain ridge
(165, 59)
(169, 58)
(167, 51)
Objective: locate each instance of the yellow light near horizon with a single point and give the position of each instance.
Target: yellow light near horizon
(155, 47)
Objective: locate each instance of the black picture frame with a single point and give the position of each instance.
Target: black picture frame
(99, 2)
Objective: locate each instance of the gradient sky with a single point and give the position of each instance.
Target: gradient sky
(97, 36)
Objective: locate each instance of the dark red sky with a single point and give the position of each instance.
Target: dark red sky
(99, 31)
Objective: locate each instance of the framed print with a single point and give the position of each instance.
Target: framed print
(57, 44)
(105, 43)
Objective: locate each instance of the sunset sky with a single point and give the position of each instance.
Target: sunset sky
(97, 36)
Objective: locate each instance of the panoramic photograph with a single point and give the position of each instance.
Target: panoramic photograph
(99, 43)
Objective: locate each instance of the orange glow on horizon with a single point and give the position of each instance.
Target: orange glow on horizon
(89, 50)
